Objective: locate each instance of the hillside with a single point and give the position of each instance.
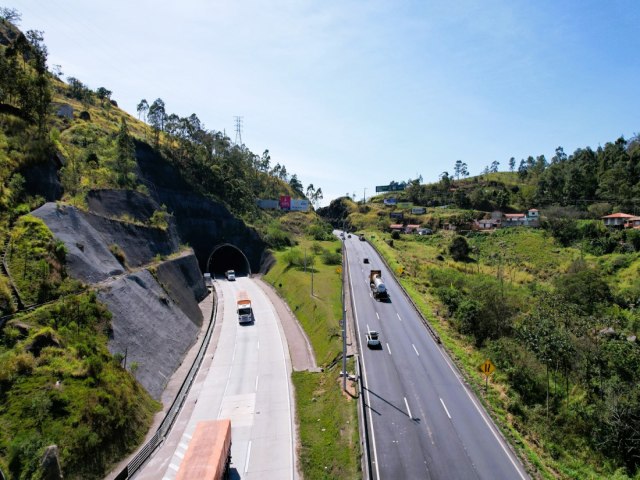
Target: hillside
(554, 308)
(106, 225)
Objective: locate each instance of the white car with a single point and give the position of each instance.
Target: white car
(373, 339)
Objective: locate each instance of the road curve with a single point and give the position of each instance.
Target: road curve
(423, 420)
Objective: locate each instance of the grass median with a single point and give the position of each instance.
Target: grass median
(327, 417)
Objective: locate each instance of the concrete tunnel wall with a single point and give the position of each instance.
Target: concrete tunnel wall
(228, 257)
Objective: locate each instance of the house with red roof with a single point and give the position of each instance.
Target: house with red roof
(617, 220)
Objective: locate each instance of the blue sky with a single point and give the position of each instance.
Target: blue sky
(351, 94)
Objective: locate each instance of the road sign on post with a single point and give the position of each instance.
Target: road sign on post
(487, 368)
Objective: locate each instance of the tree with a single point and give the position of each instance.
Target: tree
(296, 184)
(460, 169)
(512, 164)
(459, 248)
(10, 15)
(494, 166)
(157, 117)
(143, 109)
(125, 157)
(103, 94)
(522, 170)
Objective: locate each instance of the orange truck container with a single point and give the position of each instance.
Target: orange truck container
(209, 453)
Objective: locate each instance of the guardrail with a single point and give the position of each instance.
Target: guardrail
(426, 323)
(363, 423)
(2, 477)
(165, 427)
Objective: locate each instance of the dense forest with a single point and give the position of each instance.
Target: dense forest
(591, 181)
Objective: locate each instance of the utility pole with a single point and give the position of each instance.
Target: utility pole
(344, 320)
(364, 197)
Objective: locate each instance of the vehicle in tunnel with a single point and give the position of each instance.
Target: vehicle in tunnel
(226, 257)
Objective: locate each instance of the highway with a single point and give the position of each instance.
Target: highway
(423, 421)
(246, 379)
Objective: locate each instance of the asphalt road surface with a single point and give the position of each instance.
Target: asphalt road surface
(248, 381)
(424, 423)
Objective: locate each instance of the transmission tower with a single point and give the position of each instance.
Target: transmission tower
(238, 121)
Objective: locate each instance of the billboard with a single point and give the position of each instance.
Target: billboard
(405, 204)
(398, 215)
(285, 202)
(393, 187)
(300, 205)
(269, 204)
(418, 210)
(390, 201)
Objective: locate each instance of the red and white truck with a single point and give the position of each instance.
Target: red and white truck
(245, 313)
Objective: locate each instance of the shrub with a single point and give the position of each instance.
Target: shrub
(395, 235)
(459, 248)
(331, 258)
(117, 252)
(160, 218)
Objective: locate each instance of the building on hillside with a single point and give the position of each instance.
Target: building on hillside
(617, 220)
(529, 219)
(411, 228)
(487, 224)
(633, 222)
(396, 227)
(499, 220)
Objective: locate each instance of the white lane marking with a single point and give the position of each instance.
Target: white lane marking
(408, 409)
(389, 348)
(445, 408)
(399, 316)
(173, 466)
(377, 315)
(224, 394)
(364, 375)
(368, 328)
(257, 377)
(180, 455)
(415, 349)
(246, 464)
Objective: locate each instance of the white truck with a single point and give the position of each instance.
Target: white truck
(245, 313)
(230, 274)
(378, 288)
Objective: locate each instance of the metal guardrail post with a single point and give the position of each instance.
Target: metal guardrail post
(165, 427)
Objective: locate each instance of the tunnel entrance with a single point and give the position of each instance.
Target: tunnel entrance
(228, 257)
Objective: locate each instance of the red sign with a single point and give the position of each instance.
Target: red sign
(285, 202)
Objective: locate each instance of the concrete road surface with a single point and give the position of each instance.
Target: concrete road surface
(247, 381)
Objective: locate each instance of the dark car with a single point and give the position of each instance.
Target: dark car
(362, 238)
(366, 260)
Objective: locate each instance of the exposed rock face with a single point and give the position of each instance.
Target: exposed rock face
(202, 223)
(88, 255)
(50, 464)
(150, 327)
(42, 179)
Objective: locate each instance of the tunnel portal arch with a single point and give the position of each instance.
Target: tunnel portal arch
(227, 256)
